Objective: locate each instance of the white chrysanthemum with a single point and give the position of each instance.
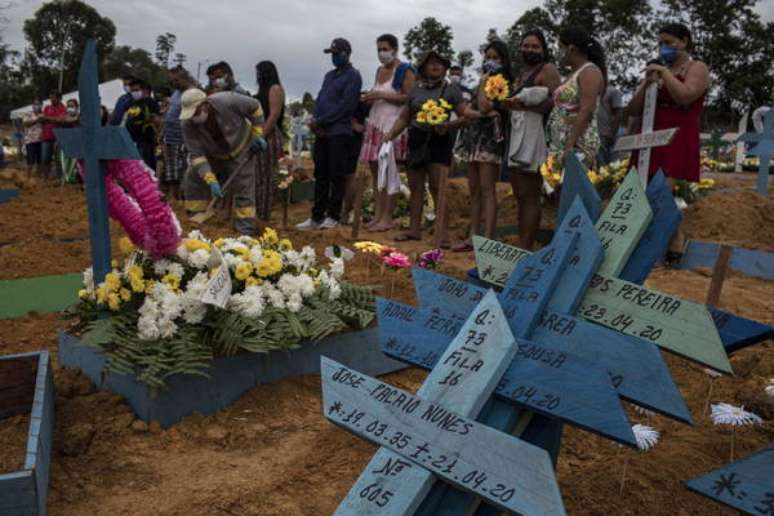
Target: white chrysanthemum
(295, 303)
(88, 280)
(726, 414)
(646, 436)
(308, 257)
(147, 327)
(249, 303)
(770, 387)
(233, 245)
(343, 253)
(337, 268)
(160, 267)
(712, 373)
(199, 258)
(275, 296)
(158, 313)
(197, 235)
(232, 260)
(193, 309)
(305, 285)
(256, 255)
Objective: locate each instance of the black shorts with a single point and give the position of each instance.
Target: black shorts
(34, 153)
(354, 153)
(439, 146)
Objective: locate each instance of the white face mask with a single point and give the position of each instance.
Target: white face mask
(136, 95)
(386, 56)
(220, 82)
(455, 79)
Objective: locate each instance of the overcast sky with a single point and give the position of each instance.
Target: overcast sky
(292, 33)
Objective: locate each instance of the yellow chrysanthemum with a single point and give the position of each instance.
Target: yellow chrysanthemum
(83, 293)
(270, 264)
(125, 294)
(244, 252)
(252, 281)
(194, 245)
(422, 117)
(113, 301)
(243, 271)
(285, 244)
(172, 279)
(112, 281)
(219, 242)
(496, 88)
(429, 104)
(369, 247)
(126, 246)
(269, 237)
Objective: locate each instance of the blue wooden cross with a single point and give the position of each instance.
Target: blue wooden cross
(576, 183)
(746, 485)
(764, 150)
(93, 144)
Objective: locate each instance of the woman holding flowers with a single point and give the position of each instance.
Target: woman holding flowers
(482, 142)
(530, 104)
(394, 82)
(683, 84)
(572, 125)
(429, 145)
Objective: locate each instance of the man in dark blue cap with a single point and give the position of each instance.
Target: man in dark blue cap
(332, 125)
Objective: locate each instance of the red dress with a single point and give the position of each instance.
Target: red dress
(680, 159)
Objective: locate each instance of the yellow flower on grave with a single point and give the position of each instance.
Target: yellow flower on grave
(194, 245)
(270, 264)
(422, 117)
(125, 245)
(114, 264)
(101, 295)
(114, 303)
(370, 247)
(149, 286)
(243, 271)
(171, 279)
(252, 281)
(269, 237)
(112, 281)
(125, 294)
(83, 293)
(244, 252)
(219, 242)
(286, 245)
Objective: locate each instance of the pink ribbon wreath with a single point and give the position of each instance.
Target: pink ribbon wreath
(134, 200)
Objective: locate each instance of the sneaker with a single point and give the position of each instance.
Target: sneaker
(308, 224)
(329, 223)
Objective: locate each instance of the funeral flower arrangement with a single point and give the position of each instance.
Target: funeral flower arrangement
(159, 325)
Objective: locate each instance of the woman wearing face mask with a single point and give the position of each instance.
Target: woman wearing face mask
(69, 165)
(271, 95)
(530, 103)
(572, 125)
(683, 84)
(481, 144)
(429, 147)
(394, 82)
(33, 130)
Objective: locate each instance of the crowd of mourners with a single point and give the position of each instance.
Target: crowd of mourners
(207, 141)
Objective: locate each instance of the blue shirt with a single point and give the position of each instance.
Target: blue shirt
(173, 132)
(123, 103)
(338, 100)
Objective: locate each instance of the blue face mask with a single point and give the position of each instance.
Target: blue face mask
(667, 53)
(339, 60)
(492, 66)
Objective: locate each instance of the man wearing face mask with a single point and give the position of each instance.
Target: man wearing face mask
(124, 102)
(222, 133)
(332, 124)
(222, 79)
(140, 118)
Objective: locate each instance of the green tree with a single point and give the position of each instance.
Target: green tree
(737, 46)
(465, 58)
(165, 45)
(491, 35)
(307, 101)
(180, 59)
(125, 60)
(430, 34)
(56, 37)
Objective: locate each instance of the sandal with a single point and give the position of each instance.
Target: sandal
(463, 247)
(405, 237)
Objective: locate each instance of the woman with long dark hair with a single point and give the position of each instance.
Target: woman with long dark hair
(572, 125)
(271, 95)
(530, 104)
(481, 145)
(683, 84)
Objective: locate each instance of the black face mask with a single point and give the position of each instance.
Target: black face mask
(531, 58)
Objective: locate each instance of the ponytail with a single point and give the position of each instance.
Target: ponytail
(587, 45)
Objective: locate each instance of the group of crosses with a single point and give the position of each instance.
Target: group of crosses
(532, 342)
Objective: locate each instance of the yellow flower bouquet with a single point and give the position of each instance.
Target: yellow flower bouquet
(434, 112)
(496, 88)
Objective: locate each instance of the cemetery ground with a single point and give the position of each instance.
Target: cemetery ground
(273, 452)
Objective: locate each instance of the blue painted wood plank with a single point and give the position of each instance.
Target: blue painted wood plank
(17, 494)
(430, 437)
(468, 371)
(577, 184)
(540, 377)
(230, 377)
(746, 485)
(6, 194)
(636, 367)
(737, 332)
(758, 264)
(654, 242)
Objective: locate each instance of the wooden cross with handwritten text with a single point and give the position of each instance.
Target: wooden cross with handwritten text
(764, 150)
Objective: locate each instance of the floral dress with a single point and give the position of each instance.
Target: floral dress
(566, 106)
(482, 140)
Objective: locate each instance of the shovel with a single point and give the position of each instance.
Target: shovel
(201, 218)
